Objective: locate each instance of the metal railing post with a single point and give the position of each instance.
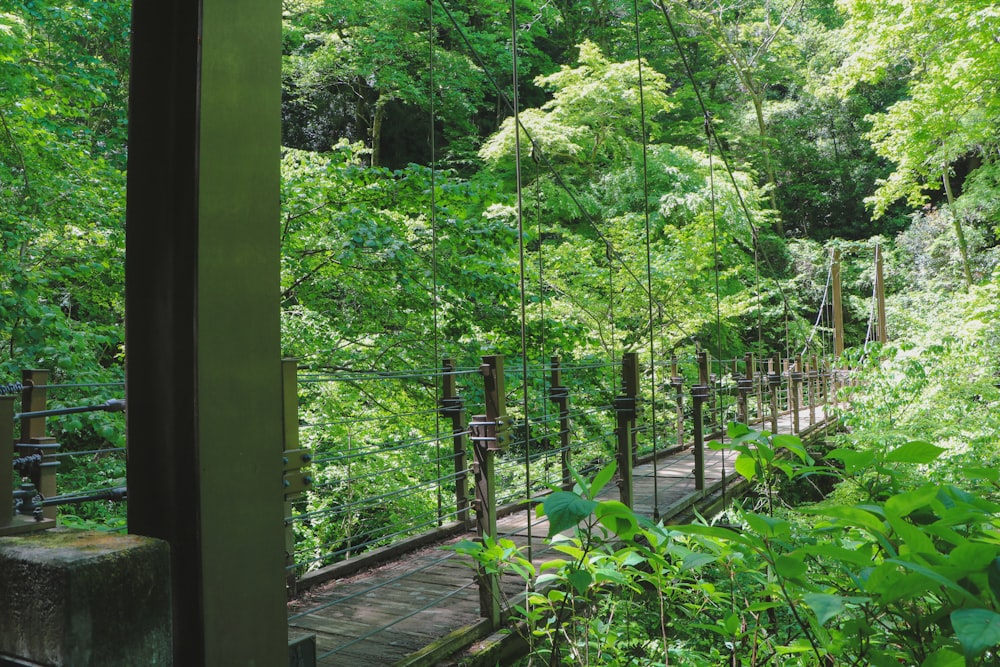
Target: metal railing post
(489, 435)
(794, 392)
(699, 394)
(559, 395)
(453, 406)
(625, 413)
(744, 385)
(774, 385)
(677, 382)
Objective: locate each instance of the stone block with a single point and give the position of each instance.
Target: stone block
(73, 598)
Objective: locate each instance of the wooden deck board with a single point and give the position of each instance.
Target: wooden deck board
(382, 615)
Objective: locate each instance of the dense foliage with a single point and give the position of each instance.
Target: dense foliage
(677, 176)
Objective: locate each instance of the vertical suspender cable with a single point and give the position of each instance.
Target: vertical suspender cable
(521, 265)
(649, 258)
(434, 249)
(716, 262)
(541, 306)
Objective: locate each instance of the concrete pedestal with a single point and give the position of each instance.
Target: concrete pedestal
(83, 599)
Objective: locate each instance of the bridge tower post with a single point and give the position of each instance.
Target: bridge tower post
(203, 330)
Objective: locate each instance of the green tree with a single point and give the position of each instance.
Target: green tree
(951, 59)
(63, 67)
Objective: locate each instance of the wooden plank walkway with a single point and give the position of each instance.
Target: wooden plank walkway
(390, 614)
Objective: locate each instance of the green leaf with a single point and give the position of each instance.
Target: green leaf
(917, 451)
(944, 657)
(767, 526)
(902, 504)
(580, 580)
(853, 461)
(789, 567)
(565, 510)
(735, 430)
(824, 606)
(746, 466)
(601, 479)
(976, 630)
(617, 517)
(849, 515)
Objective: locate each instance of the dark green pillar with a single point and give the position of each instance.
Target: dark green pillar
(202, 330)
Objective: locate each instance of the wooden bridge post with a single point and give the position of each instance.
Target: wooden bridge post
(489, 435)
(453, 407)
(559, 395)
(774, 385)
(812, 379)
(625, 413)
(744, 385)
(677, 382)
(33, 440)
(795, 392)
(699, 394)
(295, 479)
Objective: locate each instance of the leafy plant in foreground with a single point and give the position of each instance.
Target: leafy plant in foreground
(909, 578)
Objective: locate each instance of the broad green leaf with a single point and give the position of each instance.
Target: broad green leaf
(793, 444)
(860, 557)
(854, 461)
(580, 580)
(693, 560)
(565, 510)
(976, 630)
(601, 479)
(902, 504)
(735, 430)
(825, 606)
(789, 567)
(767, 526)
(852, 516)
(917, 451)
(617, 517)
(746, 466)
(933, 576)
(944, 657)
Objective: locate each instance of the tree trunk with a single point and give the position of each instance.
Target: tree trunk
(963, 247)
(758, 106)
(377, 120)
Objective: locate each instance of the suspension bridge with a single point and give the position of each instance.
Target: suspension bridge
(368, 496)
(373, 499)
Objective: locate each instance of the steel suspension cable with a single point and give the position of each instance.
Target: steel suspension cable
(649, 258)
(521, 264)
(822, 304)
(434, 246)
(755, 232)
(716, 260)
(537, 150)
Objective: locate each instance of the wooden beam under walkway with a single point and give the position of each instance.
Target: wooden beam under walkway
(423, 608)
